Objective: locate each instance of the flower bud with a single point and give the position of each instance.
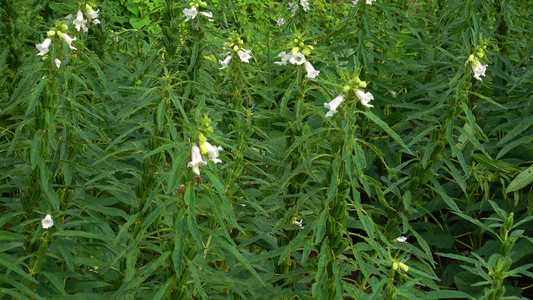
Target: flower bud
(64, 27)
(88, 7)
(295, 40)
(295, 49)
(404, 267)
(301, 44)
(201, 143)
(306, 52)
(395, 266)
(362, 84)
(51, 33)
(235, 48)
(509, 222)
(346, 89)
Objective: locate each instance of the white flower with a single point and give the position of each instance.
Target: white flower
(284, 58)
(332, 106)
(197, 160)
(311, 72)
(280, 21)
(365, 98)
(80, 23)
(297, 58)
(190, 14)
(43, 48)
(299, 223)
(225, 62)
(244, 55)
(92, 15)
(369, 2)
(213, 152)
(305, 5)
(47, 222)
(478, 69)
(354, 2)
(401, 239)
(69, 40)
(209, 15)
(58, 63)
(294, 7)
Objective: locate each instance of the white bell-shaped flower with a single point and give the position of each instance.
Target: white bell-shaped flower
(297, 58)
(333, 104)
(284, 58)
(197, 160)
(244, 55)
(213, 152)
(401, 239)
(311, 72)
(208, 15)
(190, 13)
(58, 63)
(92, 15)
(80, 23)
(365, 98)
(47, 222)
(225, 62)
(305, 5)
(69, 40)
(43, 48)
(478, 69)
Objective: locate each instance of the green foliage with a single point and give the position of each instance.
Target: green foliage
(300, 205)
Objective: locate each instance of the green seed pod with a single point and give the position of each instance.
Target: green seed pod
(145, 166)
(509, 222)
(506, 264)
(330, 225)
(192, 251)
(341, 246)
(340, 211)
(39, 110)
(158, 158)
(152, 143)
(150, 181)
(507, 246)
(238, 171)
(139, 190)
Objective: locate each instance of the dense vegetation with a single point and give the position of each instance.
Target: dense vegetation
(240, 149)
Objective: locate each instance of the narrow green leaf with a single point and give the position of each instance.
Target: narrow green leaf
(387, 129)
(521, 180)
(35, 97)
(448, 294)
(438, 188)
(77, 233)
(12, 266)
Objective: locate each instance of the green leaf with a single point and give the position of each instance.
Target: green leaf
(387, 129)
(448, 294)
(521, 180)
(493, 164)
(13, 266)
(440, 190)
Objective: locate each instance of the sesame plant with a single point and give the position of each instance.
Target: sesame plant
(232, 149)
